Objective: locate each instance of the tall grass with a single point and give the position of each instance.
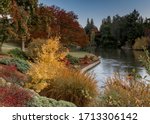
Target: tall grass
(126, 92)
(78, 88)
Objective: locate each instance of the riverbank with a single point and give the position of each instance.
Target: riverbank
(90, 66)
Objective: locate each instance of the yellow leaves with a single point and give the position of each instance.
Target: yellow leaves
(47, 65)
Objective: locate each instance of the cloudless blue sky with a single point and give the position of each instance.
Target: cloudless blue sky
(99, 9)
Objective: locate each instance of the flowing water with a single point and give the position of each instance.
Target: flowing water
(118, 61)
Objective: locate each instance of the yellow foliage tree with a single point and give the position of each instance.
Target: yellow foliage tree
(47, 65)
(140, 43)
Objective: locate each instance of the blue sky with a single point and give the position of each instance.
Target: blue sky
(99, 9)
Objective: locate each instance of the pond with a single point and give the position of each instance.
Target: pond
(118, 61)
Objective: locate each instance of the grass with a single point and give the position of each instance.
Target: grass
(127, 92)
(80, 54)
(9, 46)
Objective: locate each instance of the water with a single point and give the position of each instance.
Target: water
(117, 61)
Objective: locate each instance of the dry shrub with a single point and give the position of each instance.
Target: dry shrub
(69, 85)
(142, 42)
(126, 93)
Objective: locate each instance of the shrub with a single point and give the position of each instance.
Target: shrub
(34, 48)
(142, 42)
(13, 96)
(10, 74)
(21, 65)
(72, 60)
(146, 60)
(17, 53)
(47, 65)
(125, 93)
(39, 101)
(78, 88)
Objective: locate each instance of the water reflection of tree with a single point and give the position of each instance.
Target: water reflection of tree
(128, 59)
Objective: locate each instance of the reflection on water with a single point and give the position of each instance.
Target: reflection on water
(118, 61)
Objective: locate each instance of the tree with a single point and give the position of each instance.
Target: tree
(5, 28)
(51, 21)
(41, 23)
(91, 31)
(22, 12)
(121, 31)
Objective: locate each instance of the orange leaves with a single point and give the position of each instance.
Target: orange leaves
(53, 21)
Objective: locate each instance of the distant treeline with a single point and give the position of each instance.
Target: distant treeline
(120, 31)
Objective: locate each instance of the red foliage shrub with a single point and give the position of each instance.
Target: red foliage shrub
(14, 96)
(10, 74)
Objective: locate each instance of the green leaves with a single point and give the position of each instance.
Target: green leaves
(4, 6)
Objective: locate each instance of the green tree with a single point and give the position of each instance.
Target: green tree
(4, 22)
(22, 12)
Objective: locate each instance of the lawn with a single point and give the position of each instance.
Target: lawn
(80, 54)
(8, 46)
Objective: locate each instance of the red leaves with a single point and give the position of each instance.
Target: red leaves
(14, 96)
(53, 21)
(11, 74)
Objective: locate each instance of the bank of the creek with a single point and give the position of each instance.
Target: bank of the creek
(117, 61)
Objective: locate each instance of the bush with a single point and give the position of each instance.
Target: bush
(125, 93)
(10, 74)
(17, 53)
(21, 65)
(34, 48)
(47, 65)
(72, 60)
(13, 96)
(78, 88)
(39, 101)
(146, 60)
(142, 42)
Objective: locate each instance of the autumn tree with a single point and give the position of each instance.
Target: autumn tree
(58, 22)
(41, 23)
(66, 25)
(6, 29)
(22, 12)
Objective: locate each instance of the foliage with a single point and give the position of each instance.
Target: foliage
(21, 65)
(10, 74)
(72, 60)
(140, 43)
(6, 30)
(72, 86)
(65, 25)
(121, 31)
(13, 96)
(47, 65)
(39, 101)
(34, 48)
(125, 93)
(17, 53)
(146, 60)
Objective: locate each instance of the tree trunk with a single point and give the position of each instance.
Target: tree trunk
(1, 44)
(23, 45)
